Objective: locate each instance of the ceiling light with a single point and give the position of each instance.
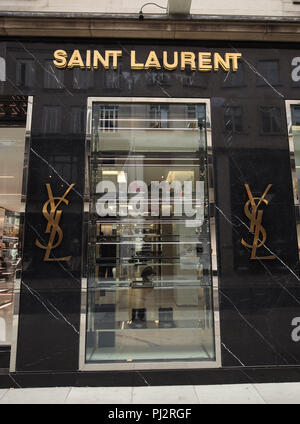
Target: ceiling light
(110, 172)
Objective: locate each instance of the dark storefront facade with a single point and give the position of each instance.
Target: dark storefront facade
(148, 212)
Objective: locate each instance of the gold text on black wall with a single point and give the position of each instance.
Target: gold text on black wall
(109, 59)
(255, 215)
(53, 216)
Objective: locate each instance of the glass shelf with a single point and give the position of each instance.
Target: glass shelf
(148, 328)
(117, 285)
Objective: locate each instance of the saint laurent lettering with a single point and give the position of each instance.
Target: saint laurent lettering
(170, 61)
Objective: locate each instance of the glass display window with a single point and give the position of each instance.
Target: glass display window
(149, 268)
(293, 123)
(13, 113)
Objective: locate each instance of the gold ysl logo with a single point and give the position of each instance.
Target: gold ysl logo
(255, 216)
(53, 217)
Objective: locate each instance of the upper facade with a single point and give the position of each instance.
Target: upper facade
(243, 20)
(195, 7)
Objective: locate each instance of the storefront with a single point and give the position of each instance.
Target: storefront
(149, 212)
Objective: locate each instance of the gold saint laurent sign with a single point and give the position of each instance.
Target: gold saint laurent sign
(53, 217)
(255, 214)
(200, 61)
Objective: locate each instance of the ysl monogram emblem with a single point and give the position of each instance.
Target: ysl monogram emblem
(255, 216)
(53, 217)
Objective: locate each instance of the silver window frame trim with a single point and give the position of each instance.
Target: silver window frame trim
(288, 110)
(17, 283)
(153, 365)
(296, 194)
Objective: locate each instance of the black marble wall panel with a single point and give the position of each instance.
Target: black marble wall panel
(50, 301)
(258, 298)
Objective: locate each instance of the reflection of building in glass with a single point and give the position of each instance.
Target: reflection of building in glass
(269, 69)
(108, 118)
(112, 78)
(270, 119)
(78, 114)
(51, 119)
(193, 79)
(235, 79)
(158, 78)
(159, 116)
(233, 117)
(53, 77)
(25, 73)
(82, 79)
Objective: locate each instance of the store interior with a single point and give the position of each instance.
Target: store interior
(12, 144)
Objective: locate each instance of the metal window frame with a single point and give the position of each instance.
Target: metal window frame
(288, 110)
(169, 365)
(17, 283)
